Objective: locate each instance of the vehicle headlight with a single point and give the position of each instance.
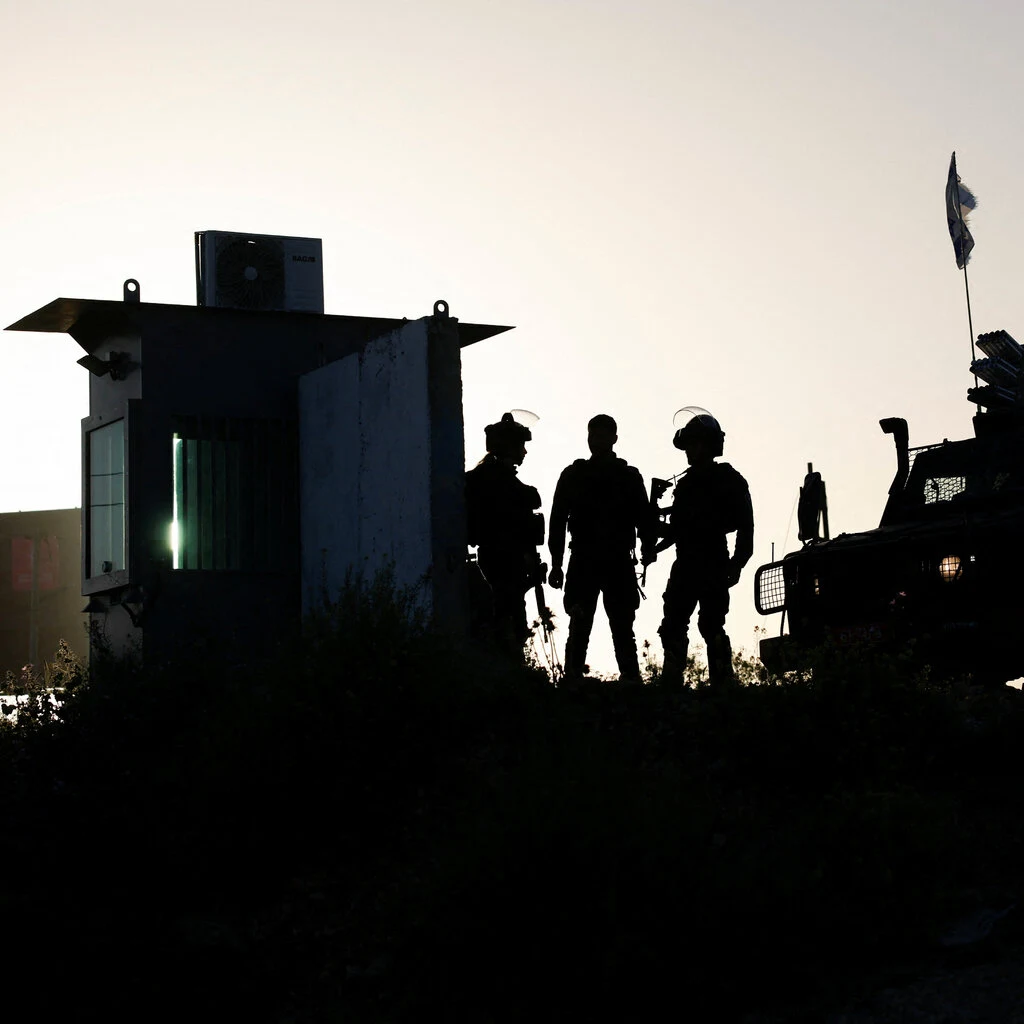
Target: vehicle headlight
(949, 568)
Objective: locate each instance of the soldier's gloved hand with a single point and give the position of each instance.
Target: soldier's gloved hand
(648, 555)
(556, 578)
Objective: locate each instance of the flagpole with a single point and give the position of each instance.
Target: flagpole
(970, 325)
(967, 288)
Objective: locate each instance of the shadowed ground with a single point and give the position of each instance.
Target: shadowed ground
(387, 828)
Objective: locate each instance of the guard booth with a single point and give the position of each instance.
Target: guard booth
(239, 458)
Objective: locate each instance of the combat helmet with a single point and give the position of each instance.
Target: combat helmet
(508, 435)
(692, 423)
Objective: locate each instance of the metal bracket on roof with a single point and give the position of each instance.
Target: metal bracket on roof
(132, 291)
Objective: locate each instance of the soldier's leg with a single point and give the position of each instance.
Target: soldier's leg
(581, 590)
(680, 601)
(520, 621)
(714, 605)
(481, 604)
(505, 578)
(621, 600)
(509, 618)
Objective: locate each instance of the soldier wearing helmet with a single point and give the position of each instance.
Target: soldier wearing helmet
(603, 503)
(502, 524)
(710, 501)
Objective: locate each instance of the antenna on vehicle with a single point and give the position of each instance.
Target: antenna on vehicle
(812, 507)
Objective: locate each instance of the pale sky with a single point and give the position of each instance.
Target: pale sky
(736, 205)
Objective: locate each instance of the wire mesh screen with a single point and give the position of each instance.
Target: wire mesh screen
(770, 589)
(942, 488)
(913, 453)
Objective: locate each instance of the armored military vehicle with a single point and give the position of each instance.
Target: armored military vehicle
(942, 576)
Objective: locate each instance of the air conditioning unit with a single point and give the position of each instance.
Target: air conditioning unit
(272, 272)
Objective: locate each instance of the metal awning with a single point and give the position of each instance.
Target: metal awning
(90, 320)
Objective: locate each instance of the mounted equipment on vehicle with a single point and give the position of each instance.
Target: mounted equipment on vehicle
(941, 575)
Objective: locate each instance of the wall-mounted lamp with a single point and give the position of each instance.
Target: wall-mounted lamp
(135, 603)
(117, 365)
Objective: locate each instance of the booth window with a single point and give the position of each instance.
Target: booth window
(234, 494)
(106, 499)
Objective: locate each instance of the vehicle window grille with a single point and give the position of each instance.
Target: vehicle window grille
(770, 589)
(943, 488)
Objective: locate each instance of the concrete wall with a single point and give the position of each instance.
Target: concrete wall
(365, 466)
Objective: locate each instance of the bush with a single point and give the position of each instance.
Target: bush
(386, 824)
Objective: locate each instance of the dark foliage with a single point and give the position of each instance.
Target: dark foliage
(386, 826)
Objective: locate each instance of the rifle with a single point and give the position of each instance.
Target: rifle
(540, 575)
(658, 488)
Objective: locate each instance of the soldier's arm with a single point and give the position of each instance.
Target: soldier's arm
(645, 519)
(745, 534)
(559, 519)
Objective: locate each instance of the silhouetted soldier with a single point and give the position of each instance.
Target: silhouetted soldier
(710, 501)
(603, 502)
(502, 524)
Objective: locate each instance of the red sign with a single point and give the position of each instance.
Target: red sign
(45, 552)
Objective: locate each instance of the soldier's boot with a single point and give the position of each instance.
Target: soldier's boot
(625, 657)
(720, 671)
(508, 641)
(674, 665)
(576, 651)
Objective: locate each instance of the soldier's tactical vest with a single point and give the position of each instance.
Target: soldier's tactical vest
(708, 503)
(500, 508)
(600, 500)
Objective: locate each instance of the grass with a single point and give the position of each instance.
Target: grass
(389, 826)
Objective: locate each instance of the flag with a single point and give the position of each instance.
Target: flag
(959, 203)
